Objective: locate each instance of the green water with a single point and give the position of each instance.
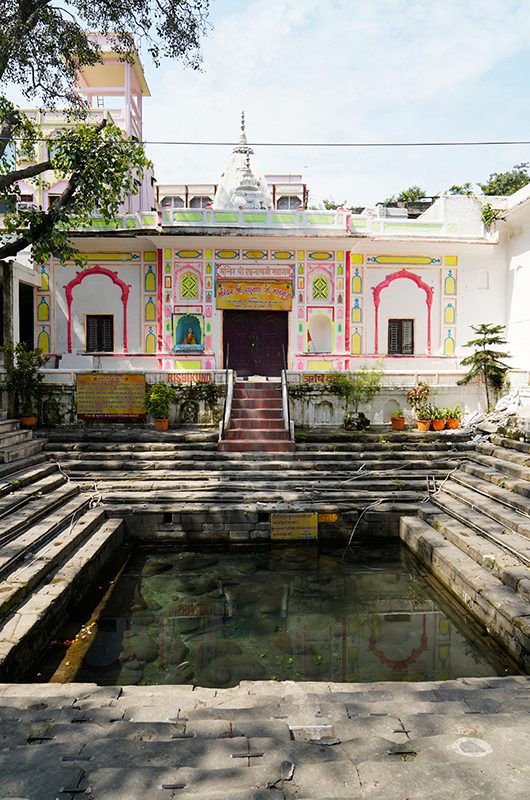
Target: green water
(214, 619)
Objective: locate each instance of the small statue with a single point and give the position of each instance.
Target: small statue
(189, 338)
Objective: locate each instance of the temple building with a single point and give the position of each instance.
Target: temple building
(241, 273)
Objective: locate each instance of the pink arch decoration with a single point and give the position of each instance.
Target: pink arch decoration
(403, 273)
(79, 278)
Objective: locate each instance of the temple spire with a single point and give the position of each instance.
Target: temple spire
(242, 185)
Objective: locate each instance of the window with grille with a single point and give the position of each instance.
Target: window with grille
(288, 202)
(172, 201)
(200, 201)
(189, 286)
(320, 288)
(99, 333)
(400, 337)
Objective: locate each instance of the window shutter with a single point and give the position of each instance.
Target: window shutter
(407, 344)
(99, 333)
(393, 336)
(91, 334)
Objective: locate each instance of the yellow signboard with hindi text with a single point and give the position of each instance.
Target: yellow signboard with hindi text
(110, 396)
(255, 295)
(290, 527)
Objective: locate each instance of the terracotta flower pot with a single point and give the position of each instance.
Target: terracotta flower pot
(424, 424)
(438, 424)
(398, 423)
(161, 424)
(452, 424)
(29, 421)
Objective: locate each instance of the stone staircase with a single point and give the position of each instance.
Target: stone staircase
(268, 741)
(180, 472)
(475, 535)
(51, 538)
(256, 422)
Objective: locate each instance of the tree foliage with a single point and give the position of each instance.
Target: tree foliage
(465, 189)
(42, 47)
(331, 205)
(43, 44)
(410, 195)
(101, 166)
(505, 183)
(485, 363)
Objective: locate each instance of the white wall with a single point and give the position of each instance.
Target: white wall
(518, 296)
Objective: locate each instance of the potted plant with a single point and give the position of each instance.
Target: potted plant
(157, 401)
(418, 396)
(423, 416)
(438, 418)
(453, 418)
(24, 380)
(397, 420)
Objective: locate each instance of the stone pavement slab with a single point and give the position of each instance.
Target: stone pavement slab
(458, 740)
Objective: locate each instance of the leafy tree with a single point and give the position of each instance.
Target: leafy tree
(465, 189)
(43, 44)
(101, 166)
(485, 362)
(330, 204)
(42, 47)
(505, 183)
(410, 195)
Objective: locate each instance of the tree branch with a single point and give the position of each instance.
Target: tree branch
(21, 174)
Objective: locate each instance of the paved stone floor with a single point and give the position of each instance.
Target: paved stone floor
(467, 739)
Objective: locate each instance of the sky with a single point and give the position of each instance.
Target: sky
(350, 71)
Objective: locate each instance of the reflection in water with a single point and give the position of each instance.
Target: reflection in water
(284, 613)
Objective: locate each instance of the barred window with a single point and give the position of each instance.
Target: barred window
(400, 337)
(99, 333)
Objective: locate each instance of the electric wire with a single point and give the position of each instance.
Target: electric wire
(190, 143)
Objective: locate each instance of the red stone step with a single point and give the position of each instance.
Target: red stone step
(256, 433)
(257, 445)
(256, 413)
(248, 423)
(261, 402)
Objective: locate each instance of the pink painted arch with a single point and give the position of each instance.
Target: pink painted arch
(79, 278)
(394, 276)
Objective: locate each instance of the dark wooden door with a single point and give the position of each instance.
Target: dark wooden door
(255, 342)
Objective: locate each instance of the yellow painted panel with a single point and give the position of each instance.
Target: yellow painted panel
(415, 260)
(167, 253)
(340, 255)
(187, 364)
(301, 255)
(356, 258)
(150, 255)
(451, 261)
(208, 254)
(322, 366)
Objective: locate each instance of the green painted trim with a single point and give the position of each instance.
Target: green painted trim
(423, 226)
(283, 217)
(148, 219)
(106, 223)
(130, 222)
(221, 216)
(358, 223)
(255, 217)
(321, 219)
(452, 227)
(187, 216)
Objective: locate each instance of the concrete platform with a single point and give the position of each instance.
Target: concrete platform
(465, 739)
